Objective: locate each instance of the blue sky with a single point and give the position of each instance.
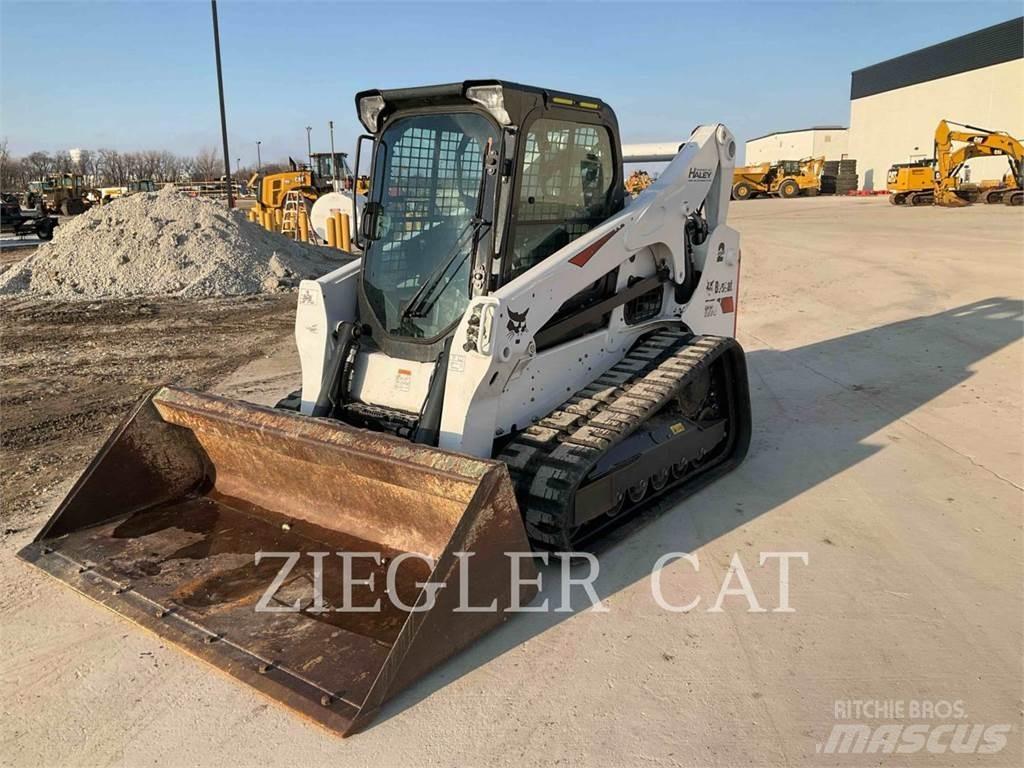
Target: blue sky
(140, 75)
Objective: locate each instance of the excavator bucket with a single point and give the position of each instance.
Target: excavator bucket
(321, 564)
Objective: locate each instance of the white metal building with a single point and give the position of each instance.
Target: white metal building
(827, 140)
(976, 79)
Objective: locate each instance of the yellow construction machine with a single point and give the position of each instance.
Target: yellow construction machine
(105, 195)
(272, 189)
(911, 183)
(306, 183)
(976, 142)
(937, 180)
(60, 193)
(785, 178)
(1006, 190)
(637, 182)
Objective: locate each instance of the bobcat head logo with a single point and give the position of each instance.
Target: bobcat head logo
(517, 322)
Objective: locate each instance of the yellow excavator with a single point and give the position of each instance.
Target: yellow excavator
(937, 180)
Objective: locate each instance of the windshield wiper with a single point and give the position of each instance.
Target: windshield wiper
(426, 296)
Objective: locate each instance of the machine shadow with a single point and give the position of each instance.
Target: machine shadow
(867, 380)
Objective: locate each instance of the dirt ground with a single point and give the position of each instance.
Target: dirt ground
(886, 364)
(70, 370)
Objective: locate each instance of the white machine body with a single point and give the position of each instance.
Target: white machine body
(496, 381)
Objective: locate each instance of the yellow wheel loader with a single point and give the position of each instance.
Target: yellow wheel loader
(272, 189)
(522, 359)
(786, 178)
(61, 193)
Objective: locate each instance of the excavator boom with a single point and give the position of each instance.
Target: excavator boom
(976, 142)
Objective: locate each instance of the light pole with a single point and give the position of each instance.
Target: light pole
(259, 162)
(309, 147)
(334, 159)
(220, 91)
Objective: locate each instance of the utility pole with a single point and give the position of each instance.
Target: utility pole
(334, 158)
(259, 162)
(309, 148)
(220, 91)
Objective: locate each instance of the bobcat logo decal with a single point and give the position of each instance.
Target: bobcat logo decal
(516, 324)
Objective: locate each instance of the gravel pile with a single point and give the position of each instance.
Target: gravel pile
(163, 243)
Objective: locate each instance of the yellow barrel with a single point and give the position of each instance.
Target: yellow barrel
(345, 238)
(332, 233)
(336, 218)
(303, 226)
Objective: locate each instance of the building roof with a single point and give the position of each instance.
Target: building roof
(992, 45)
(801, 130)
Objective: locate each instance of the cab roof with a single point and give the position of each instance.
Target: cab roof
(517, 100)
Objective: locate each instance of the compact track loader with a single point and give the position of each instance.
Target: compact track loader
(521, 359)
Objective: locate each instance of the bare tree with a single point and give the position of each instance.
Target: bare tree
(6, 170)
(278, 167)
(149, 164)
(13, 172)
(170, 167)
(187, 171)
(39, 164)
(81, 165)
(106, 167)
(207, 165)
(91, 167)
(62, 163)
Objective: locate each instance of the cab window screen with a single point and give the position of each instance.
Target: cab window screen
(427, 181)
(564, 191)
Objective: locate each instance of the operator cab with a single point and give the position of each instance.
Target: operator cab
(472, 185)
(330, 167)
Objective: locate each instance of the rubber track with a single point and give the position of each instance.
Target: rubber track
(549, 460)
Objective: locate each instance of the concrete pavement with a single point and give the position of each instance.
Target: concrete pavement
(886, 370)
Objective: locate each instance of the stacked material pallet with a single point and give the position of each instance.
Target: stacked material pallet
(828, 177)
(847, 180)
(839, 177)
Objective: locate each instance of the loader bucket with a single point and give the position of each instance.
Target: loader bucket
(171, 526)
